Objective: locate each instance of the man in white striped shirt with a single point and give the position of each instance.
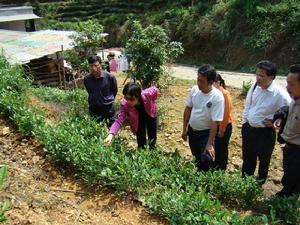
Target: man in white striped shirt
(264, 98)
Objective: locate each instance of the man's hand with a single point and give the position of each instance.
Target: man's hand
(108, 139)
(268, 123)
(211, 151)
(184, 135)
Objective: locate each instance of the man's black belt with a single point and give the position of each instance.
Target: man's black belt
(293, 145)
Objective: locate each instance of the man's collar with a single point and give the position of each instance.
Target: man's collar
(271, 86)
(297, 101)
(101, 75)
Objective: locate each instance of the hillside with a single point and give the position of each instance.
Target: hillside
(231, 34)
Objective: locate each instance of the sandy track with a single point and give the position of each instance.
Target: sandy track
(233, 79)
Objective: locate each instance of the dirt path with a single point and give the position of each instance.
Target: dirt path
(233, 79)
(39, 194)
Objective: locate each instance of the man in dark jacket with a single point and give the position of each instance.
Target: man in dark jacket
(102, 90)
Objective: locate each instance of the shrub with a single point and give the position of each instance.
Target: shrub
(285, 209)
(150, 50)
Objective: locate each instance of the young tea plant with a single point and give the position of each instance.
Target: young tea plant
(4, 205)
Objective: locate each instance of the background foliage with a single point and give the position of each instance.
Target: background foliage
(231, 34)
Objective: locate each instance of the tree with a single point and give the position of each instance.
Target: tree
(88, 39)
(150, 49)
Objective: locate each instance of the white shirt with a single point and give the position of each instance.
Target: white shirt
(206, 107)
(122, 63)
(263, 103)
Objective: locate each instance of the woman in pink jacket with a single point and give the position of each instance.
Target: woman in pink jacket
(139, 107)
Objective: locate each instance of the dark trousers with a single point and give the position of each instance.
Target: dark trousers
(221, 148)
(106, 114)
(197, 143)
(148, 124)
(257, 143)
(291, 170)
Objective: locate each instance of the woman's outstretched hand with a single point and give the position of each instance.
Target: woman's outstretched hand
(108, 139)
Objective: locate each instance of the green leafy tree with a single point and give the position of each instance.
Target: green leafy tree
(87, 40)
(150, 49)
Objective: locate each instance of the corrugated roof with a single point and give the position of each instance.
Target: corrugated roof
(21, 47)
(17, 13)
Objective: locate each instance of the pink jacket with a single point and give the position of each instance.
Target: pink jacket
(149, 96)
(113, 65)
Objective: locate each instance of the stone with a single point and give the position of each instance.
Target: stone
(5, 131)
(35, 159)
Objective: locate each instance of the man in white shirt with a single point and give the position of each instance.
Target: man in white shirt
(204, 110)
(264, 98)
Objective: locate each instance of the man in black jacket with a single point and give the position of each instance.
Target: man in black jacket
(102, 90)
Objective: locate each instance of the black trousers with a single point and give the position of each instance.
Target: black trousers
(106, 114)
(291, 170)
(148, 124)
(221, 148)
(257, 143)
(197, 143)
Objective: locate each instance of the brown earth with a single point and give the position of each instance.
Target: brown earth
(40, 194)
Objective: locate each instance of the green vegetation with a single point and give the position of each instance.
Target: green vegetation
(4, 204)
(150, 49)
(286, 209)
(88, 40)
(166, 184)
(245, 88)
(234, 34)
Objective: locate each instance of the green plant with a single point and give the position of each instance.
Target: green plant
(245, 88)
(150, 49)
(5, 204)
(284, 209)
(88, 38)
(231, 188)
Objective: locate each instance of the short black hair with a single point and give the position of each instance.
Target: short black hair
(132, 89)
(269, 67)
(208, 71)
(295, 69)
(94, 58)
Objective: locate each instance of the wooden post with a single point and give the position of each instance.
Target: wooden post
(58, 65)
(63, 71)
